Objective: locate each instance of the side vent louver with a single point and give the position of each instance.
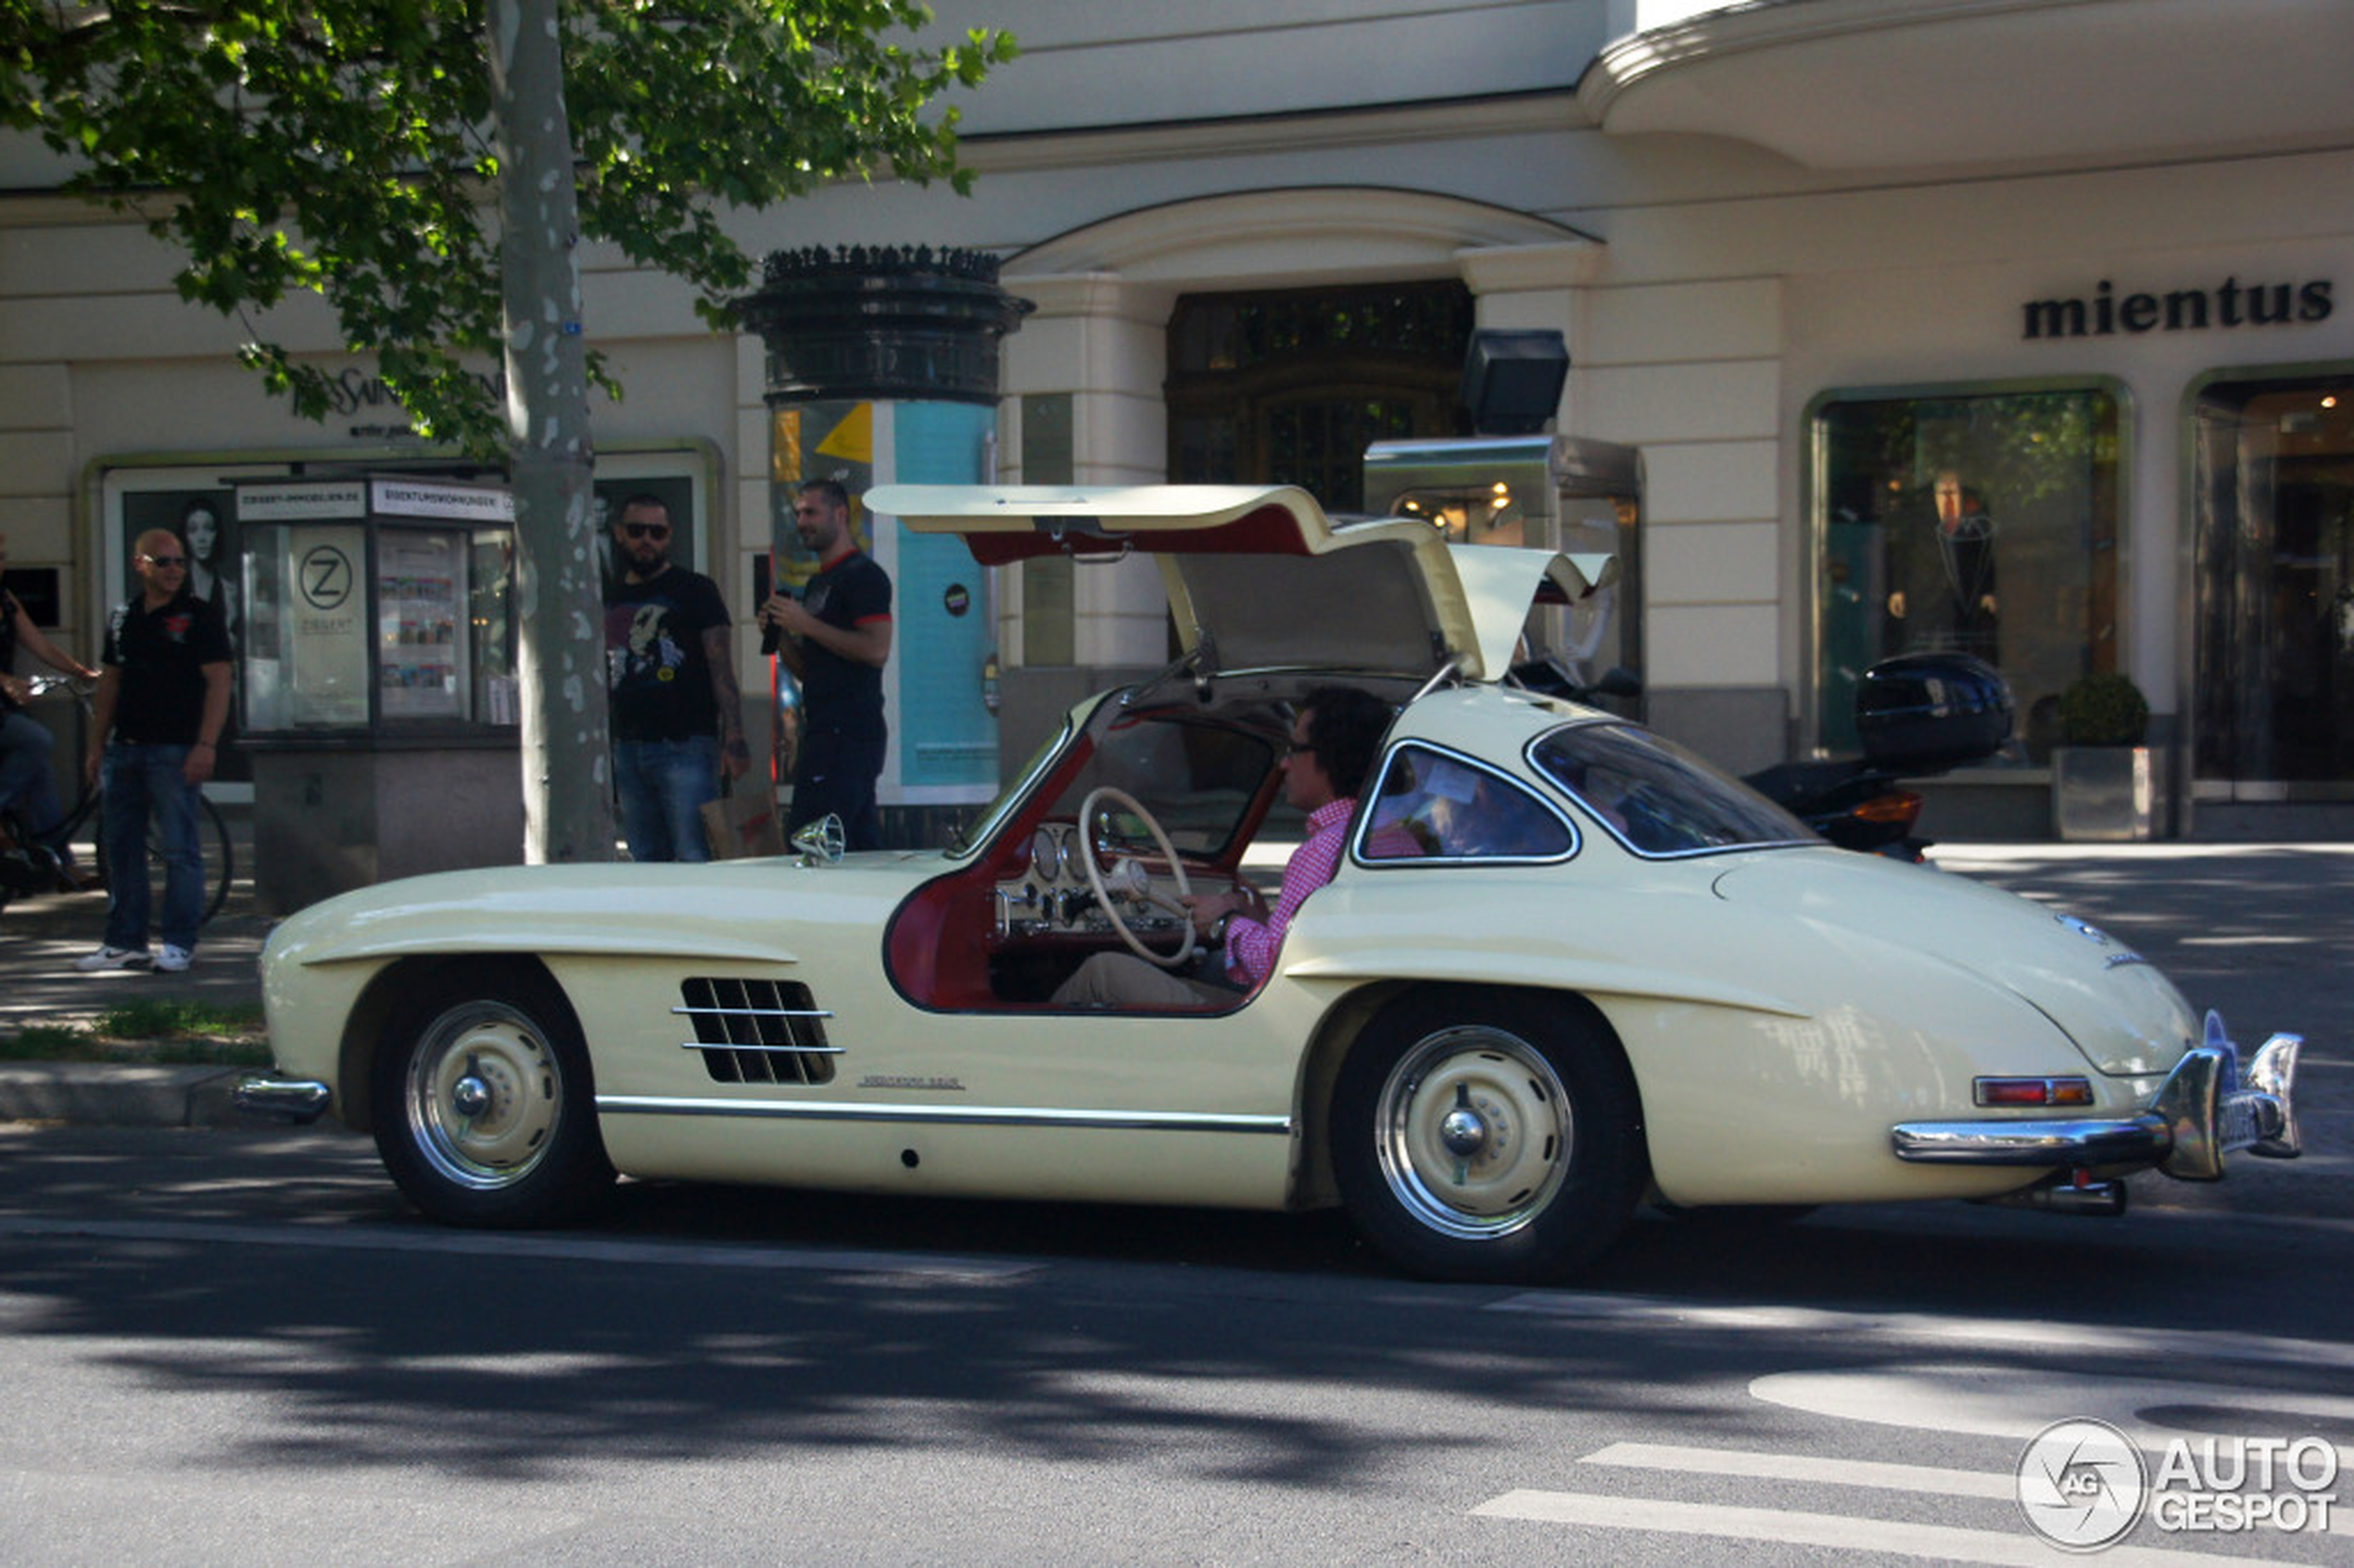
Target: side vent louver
(758, 1032)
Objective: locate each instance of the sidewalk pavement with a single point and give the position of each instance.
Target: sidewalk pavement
(40, 938)
(2173, 885)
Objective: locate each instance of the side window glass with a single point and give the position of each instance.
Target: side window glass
(1432, 807)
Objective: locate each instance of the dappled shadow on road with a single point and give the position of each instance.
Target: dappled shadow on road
(727, 1325)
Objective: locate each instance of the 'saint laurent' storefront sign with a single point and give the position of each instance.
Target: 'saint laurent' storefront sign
(357, 390)
(2104, 313)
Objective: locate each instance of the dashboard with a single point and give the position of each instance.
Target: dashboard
(1052, 896)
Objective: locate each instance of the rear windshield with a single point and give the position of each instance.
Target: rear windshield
(1655, 797)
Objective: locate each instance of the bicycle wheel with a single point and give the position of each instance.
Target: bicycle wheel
(212, 844)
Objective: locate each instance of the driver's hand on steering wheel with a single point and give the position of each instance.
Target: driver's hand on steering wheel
(1208, 909)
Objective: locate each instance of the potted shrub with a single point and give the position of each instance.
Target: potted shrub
(2104, 709)
(2106, 784)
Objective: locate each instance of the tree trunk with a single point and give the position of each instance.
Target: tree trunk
(559, 600)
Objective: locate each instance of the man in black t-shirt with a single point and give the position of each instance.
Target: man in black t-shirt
(671, 681)
(164, 696)
(837, 638)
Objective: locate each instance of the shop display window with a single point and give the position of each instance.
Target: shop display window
(1978, 522)
(2273, 465)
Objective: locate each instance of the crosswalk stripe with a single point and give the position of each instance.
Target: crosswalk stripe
(1939, 1542)
(1805, 1467)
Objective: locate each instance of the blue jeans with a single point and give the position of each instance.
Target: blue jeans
(664, 785)
(140, 781)
(26, 783)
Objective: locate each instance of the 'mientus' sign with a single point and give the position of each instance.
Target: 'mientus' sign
(2229, 304)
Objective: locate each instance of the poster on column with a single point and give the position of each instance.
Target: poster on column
(828, 440)
(948, 737)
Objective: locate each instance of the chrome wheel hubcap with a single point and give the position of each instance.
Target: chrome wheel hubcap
(482, 1096)
(1473, 1132)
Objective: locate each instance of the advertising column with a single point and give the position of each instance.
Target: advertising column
(882, 368)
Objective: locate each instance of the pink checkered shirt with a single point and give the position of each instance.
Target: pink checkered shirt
(1251, 945)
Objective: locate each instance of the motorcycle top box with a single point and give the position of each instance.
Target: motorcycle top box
(1921, 712)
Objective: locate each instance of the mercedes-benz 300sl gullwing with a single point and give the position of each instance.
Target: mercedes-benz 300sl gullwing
(1559, 966)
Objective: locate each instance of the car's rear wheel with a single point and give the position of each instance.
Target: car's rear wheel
(485, 1114)
(1487, 1137)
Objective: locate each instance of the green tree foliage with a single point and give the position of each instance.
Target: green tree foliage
(343, 147)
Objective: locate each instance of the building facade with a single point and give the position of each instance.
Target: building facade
(2024, 327)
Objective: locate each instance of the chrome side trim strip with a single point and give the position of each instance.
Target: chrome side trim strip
(773, 1050)
(947, 1116)
(752, 1012)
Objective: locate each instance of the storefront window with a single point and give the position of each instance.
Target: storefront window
(2273, 464)
(1978, 523)
(1290, 386)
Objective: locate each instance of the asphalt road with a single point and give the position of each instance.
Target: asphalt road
(234, 1346)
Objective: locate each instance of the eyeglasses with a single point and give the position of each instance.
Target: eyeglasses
(165, 560)
(646, 530)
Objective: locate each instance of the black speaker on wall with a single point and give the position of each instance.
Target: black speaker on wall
(1513, 380)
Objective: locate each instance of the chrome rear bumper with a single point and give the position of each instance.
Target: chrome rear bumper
(2206, 1108)
(295, 1100)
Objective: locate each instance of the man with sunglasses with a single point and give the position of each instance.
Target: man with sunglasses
(677, 714)
(162, 698)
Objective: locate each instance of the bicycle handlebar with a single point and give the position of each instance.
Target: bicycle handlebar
(44, 683)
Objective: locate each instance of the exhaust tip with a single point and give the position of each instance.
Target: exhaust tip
(2068, 1194)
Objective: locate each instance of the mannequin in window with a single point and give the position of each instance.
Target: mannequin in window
(1941, 560)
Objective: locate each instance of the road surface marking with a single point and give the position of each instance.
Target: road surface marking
(1996, 1401)
(1944, 1543)
(1806, 1467)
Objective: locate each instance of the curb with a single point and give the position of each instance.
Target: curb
(105, 1094)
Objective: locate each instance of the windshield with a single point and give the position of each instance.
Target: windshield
(1197, 775)
(1655, 797)
(969, 839)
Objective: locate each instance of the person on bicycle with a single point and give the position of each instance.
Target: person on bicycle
(26, 781)
(163, 700)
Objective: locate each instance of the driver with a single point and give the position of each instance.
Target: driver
(1333, 742)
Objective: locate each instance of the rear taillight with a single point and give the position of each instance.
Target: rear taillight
(2031, 1091)
(1899, 807)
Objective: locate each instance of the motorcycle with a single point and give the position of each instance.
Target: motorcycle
(1916, 714)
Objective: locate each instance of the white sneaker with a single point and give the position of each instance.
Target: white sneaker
(118, 958)
(172, 960)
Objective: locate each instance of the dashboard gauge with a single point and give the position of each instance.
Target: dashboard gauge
(1046, 855)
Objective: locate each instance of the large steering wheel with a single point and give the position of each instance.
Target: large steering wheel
(1130, 881)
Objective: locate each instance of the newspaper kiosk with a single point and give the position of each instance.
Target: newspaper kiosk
(377, 683)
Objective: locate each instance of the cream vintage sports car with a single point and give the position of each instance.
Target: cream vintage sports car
(1564, 966)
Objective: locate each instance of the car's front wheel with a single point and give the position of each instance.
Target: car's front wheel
(1487, 1137)
(484, 1110)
